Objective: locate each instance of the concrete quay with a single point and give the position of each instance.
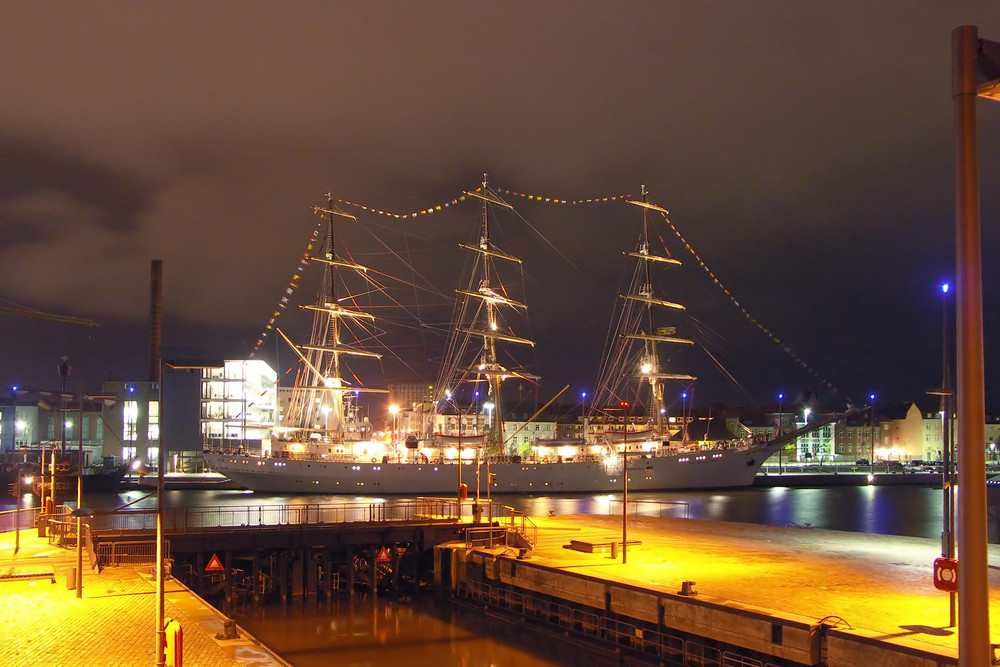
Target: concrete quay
(112, 624)
(801, 596)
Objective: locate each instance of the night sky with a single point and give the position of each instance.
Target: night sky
(803, 149)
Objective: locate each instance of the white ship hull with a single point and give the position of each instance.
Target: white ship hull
(715, 468)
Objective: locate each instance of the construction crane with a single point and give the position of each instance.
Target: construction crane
(20, 311)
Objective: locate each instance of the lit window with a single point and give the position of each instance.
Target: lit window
(153, 432)
(130, 414)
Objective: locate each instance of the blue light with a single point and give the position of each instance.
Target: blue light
(945, 287)
(684, 395)
(14, 388)
(131, 389)
(871, 397)
(781, 397)
(583, 394)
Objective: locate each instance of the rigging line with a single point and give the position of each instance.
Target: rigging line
(736, 383)
(429, 285)
(549, 243)
(788, 350)
(417, 309)
(383, 290)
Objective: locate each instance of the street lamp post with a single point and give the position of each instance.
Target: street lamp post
(947, 453)
(871, 435)
(79, 513)
(394, 410)
(781, 397)
(805, 420)
(974, 66)
(625, 455)
(624, 505)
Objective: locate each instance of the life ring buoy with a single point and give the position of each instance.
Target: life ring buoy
(374, 460)
(436, 461)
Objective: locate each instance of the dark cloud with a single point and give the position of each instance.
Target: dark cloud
(38, 183)
(803, 149)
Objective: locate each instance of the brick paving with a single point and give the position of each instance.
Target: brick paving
(112, 625)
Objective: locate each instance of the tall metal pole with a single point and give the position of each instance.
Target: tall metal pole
(161, 635)
(973, 580)
(156, 371)
(947, 476)
(624, 504)
(79, 507)
(17, 513)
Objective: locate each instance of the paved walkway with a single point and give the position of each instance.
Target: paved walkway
(112, 625)
(875, 583)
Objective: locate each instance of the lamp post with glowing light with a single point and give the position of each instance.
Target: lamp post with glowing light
(871, 408)
(947, 452)
(805, 420)
(781, 398)
(394, 410)
(684, 417)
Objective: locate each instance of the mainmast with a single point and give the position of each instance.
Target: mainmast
(480, 318)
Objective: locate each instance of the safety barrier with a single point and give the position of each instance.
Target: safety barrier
(193, 519)
(114, 554)
(26, 517)
(655, 508)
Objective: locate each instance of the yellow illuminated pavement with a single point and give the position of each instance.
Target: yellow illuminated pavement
(879, 584)
(112, 625)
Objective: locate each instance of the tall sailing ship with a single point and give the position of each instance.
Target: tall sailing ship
(320, 446)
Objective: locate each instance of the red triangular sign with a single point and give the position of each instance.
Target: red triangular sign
(383, 556)
(214, 565)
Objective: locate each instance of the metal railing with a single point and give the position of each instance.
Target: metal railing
(658, 508)
(114, 554)
(26, 517)
(188, 519)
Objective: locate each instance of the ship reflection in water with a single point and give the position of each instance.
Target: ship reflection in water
(362, 632)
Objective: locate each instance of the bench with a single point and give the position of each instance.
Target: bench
(600, 547)
(16, 573)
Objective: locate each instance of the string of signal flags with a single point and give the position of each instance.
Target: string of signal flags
(314, 239)
(460, 199)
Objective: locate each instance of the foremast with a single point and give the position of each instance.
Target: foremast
(481, 327)
(641, 336)
(322, 401)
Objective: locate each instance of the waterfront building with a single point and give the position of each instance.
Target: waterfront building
(239, 405)
(18, 425)
(915, 433)
(132, 420)
(520, 434)
(408, 395)
(858, 437)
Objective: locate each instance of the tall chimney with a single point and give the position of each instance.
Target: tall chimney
(155, 318)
